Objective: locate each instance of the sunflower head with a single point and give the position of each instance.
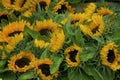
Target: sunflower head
(4, 15)
(109, 55)
(95, 28)
(72, 55)
(21, 62)
(45, 27)
(62, 7)
(14, 28)
(13, 42)
(43, 69)
(57, 40)
(24, 5)
(97, 25)
(9, 4)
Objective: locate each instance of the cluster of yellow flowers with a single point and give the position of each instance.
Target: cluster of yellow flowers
(46, 39)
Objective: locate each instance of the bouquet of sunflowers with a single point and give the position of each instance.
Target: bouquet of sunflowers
(51, 40)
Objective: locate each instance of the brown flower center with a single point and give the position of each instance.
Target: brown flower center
(73, 55)
(3, 17)
(17, 13)
(62, 10)
(24, 1)
(45, 69)
(74, 21)
(95, 29)
(12, 1)
(111, 56)
(13, 33)
(42, 5)
(45, 32)
(22, 62)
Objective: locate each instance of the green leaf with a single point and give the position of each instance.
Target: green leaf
(79, 40)
(91, 71)
(107, 74)
(2, 70)
(9, 76)
(34, 34)
(67, 28)
(84, 76)
(74, 74)
(86, 56)
(74, 1)
(1, 7)
(2, 63)
(27, 75)
(45, 54)
(59, 18)
(57, 60)
(116, 34)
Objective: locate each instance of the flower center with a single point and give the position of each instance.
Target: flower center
(95, 29)
(22, 62)
(17, 13)
(12, 1)
(42, 5)
(13, 33)
(45, 32)
(3, 17)
(45, 69)
(73, 55)
(74, 21)
(62, 10)
(24, 1)
(110, 56)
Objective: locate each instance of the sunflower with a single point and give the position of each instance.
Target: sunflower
(97, 25)
(95, 28)
(13, 42)
(57, 40)
(4, 15)
(43, 69)
(109, 56)
(63, 6)
(14, 28)
(21, 62)
(77, 18)
(9, 4)
(90, 9)
(72, 55)
(104, 11)
(25, 5)
(45, 27)
(40, 43)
